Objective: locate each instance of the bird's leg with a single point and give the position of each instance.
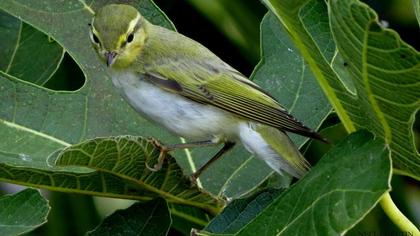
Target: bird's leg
(164, 149)
(225, 148)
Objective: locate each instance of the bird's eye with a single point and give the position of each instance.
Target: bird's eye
(130, 38)
(95, 38)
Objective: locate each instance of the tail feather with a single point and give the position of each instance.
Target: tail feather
(274, 147)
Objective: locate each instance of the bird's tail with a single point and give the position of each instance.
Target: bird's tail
(274, 147)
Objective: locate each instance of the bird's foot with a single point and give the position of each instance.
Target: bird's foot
(162, 155)
(193, 178)
(193, 181)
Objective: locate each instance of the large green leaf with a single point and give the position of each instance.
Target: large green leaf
(127, 157)
(239, 212)
(35, 122)
(22, 212)
(139, 219)
(40, 121)
(384, 71)
(27, 53)
(346, 184)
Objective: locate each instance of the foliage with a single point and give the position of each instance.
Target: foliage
(327, 201)
(89, 141)
(22, 212)
(152, 218)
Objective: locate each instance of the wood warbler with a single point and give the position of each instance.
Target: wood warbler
(181, 85)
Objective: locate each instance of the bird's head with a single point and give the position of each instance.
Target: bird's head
(118, 34)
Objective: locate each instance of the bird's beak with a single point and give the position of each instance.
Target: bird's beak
(110, 58)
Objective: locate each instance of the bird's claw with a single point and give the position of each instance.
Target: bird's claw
(158, 145)
(153, 169)
(162, 155)
(193, 181)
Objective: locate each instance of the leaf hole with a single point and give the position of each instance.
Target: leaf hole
(68, 77)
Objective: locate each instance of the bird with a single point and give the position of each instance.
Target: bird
(179, 84)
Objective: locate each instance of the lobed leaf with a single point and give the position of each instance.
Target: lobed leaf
(377, 86)
(386, 74)
(27, 53)
(36, 122)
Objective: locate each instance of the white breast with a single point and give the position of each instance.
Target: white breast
(180, 115)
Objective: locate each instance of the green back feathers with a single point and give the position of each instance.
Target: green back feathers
(112, 22)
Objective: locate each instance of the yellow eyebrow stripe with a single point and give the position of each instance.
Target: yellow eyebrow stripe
(133, 23)
(130, 28)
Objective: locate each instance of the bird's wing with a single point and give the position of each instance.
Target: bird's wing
(227, 89)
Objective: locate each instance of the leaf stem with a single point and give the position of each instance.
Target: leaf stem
(399, 219)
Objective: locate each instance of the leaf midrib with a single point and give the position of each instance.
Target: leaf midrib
(369, 93)
(37, 133)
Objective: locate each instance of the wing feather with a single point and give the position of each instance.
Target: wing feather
(230, 91)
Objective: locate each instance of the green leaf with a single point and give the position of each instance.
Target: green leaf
(307, 23)
(152, 218)
(122, 175)
(290, 81)
(416, 6)
(294, 86)
(386, 72)
(27, 54)
(22, 212)
(383, 70)
(239, 212)
(126, 157)
(330, 199)
(36, 122)
(185, 218)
